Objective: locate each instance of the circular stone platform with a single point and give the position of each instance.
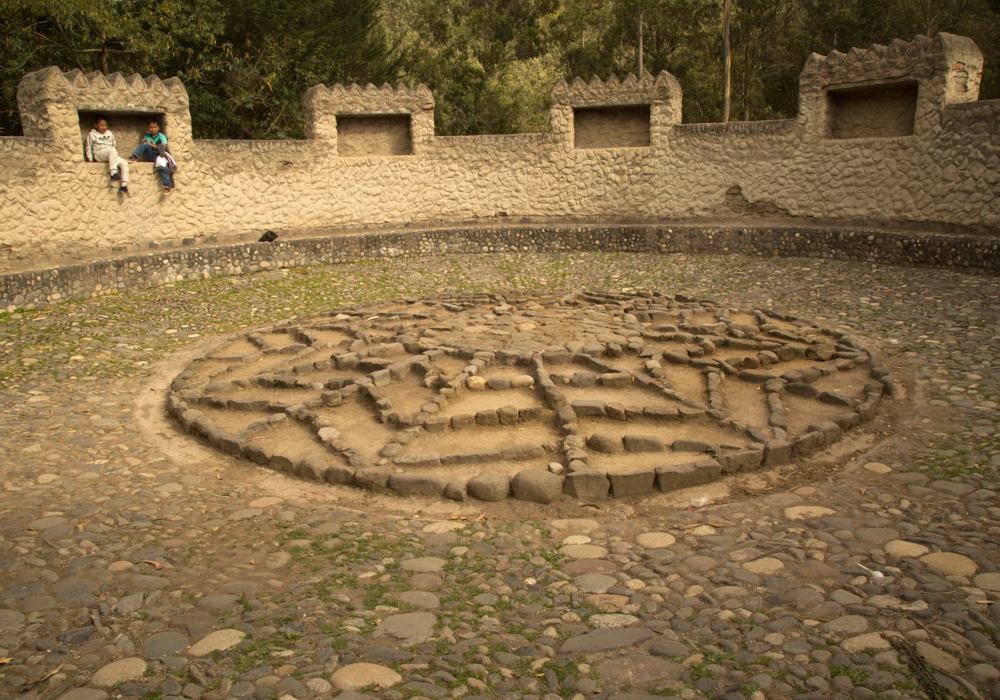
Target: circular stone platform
(590, 395)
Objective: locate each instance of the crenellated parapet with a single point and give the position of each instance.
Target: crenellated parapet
(633, 112)
(904, 85)
(370, 120)
(60, 106)
(644, 89)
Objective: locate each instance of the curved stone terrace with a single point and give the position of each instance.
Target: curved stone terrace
(591, 394)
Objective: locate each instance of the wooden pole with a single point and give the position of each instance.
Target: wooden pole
(727, 62)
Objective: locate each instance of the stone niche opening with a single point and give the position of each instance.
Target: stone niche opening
(611, 127)
(128, 127)
(374, 135)
(876, 111)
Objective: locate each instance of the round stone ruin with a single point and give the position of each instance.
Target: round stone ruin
(584, 396)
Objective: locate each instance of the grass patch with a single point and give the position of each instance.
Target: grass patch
(857, 677)
(255, 653)
(700, 669)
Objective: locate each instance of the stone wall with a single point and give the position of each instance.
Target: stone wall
(55, 208)
(40, 289)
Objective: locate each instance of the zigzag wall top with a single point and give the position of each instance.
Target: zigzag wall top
(955, 58)
(76, 84)
(643, 89)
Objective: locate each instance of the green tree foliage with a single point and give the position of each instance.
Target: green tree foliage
(491, 63)
(271, 51)
(492, 92)
(245, 63)
(145, 36)
(683, 37)
(481, 59)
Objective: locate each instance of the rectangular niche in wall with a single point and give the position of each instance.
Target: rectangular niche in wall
(128, 127)
(878, 111)
(611, 127)
(374, 135)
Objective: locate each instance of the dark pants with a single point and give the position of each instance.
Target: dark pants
(145, 151)
(166, 176)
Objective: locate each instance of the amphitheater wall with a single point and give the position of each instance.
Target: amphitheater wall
(57, 208)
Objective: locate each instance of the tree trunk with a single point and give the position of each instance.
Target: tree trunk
(727, 62)
(639, 50)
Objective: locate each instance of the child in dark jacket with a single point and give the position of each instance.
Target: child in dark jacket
(153, 148)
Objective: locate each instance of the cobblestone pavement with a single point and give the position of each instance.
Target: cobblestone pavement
(137, 563)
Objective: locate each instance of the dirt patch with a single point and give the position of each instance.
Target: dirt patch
(802, 413)
(745, 402)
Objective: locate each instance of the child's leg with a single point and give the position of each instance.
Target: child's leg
(144, 150)
(121, 165)
(110, 157)
(113, 161)
(168, 181)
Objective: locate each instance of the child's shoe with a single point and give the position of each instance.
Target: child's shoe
(167, 191)
(124, 190)
(116, 177)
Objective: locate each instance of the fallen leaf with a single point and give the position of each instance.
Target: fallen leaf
(155, 564)
(219, 477)
(42, 678)
(6, 660)
(251, 561)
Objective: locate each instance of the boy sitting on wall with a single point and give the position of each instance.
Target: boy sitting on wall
(165, 165)
(153, 148)
(101, 148)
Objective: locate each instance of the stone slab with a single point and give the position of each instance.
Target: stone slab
(605, 640)
(409, 629)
